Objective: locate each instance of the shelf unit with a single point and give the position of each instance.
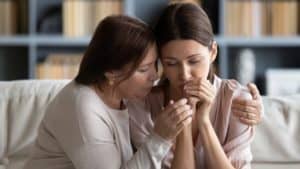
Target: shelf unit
(19, 54)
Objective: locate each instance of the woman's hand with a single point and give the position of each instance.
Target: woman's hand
(204, 93)
(249, 111)
(173, 119)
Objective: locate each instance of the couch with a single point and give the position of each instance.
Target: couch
(23, 103)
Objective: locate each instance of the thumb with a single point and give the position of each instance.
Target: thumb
(171, 102)
(253, 90)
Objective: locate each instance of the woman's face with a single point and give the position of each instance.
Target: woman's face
(185, 60)
(139, 84)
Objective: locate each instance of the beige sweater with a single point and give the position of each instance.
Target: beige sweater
(80, 131)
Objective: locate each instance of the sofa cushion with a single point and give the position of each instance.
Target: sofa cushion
(277, 138)
(22, 106)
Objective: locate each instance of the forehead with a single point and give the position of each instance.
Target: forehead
(177, 48)
(150, 56)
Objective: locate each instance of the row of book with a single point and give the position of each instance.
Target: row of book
(59, 66)
(8, 17)
(13, 17)
(80, 17)
(262, 17)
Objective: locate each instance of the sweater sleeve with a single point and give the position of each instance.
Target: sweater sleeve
(99, 148)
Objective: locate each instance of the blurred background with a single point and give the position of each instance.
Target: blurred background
(258, 39)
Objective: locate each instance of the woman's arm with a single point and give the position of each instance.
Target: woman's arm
(96, 146)
(235, 151)
(184, 150)
(205, 92)
(214, 153)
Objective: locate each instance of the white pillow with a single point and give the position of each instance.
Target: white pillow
(277, 138)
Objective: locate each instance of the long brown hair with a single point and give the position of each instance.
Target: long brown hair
(117, 41)
(185, 21)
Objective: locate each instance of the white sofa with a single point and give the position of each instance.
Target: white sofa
(22, 106)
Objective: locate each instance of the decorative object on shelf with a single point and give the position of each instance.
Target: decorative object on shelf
(283, 81)
(50, 21)
(245, 66)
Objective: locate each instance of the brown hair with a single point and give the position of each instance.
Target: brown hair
(117, 42)
(184, 21)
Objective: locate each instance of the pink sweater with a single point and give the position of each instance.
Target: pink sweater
(235, 137)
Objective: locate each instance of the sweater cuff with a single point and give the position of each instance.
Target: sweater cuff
(158, 146)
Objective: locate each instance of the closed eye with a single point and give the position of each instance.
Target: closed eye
(194, 61)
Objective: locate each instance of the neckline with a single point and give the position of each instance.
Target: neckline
(107, 107)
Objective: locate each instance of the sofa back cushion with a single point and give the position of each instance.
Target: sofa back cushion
(23, 103)
(22, 106)
(277, 138)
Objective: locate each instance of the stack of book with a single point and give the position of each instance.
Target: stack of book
(59, 66)
(261, 17)
(8, 17)
(80, 17)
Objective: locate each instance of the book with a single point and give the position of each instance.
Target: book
(59, 66)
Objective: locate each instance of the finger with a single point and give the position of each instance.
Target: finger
(195, 81)
(243, 102)
(246, 115)
(183, 124)
(238, 113)
(247, 109)
(203, 88)
(179, 110)
(172, 107)
(248, 122)
(253, 90)
(205, 84)
(180, 117)
(200, 94)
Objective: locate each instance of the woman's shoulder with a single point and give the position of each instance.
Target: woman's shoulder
(227, 125)
(76, 100)
(234, 89)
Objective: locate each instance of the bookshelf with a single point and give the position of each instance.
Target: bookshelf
(21, 52)
(29, 43)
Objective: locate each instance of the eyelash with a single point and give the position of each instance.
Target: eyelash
(146, 69)
(193, 62)
(143, 70)
(170, 64)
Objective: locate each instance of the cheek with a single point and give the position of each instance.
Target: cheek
(134, 84)
(201, 70)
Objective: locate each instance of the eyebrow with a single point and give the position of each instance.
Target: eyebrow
(196, 54)
(146, 64)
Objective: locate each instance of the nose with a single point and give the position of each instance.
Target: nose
(153, 75)
(184, 73)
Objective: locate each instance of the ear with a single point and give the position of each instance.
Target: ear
(213, 52)
(113, 74)
(110, 75)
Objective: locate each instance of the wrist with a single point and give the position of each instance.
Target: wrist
(204, 124)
